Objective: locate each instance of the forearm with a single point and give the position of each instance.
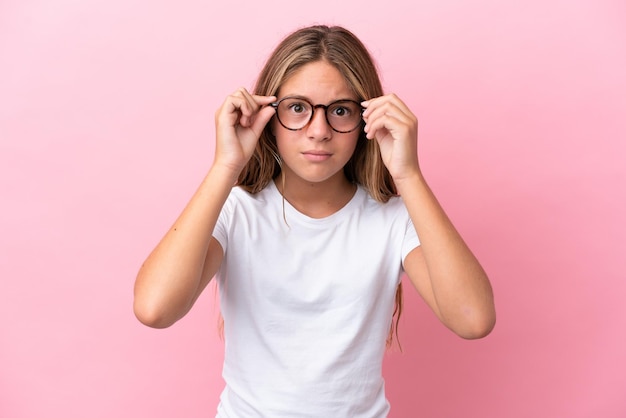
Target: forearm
(461, 292)
(170, 278)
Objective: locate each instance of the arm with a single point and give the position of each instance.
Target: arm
(443, 269)
(187, 257)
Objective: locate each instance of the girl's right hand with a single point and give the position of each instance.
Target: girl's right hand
(239, 123)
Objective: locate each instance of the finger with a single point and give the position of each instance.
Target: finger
(254, 100)
(232, 110)
(261, 105)
(253, 103)
(264, 100)
(388, 109)
(261, 119)
(396, 125)
(389, 117)
(248, 107)
(390, 99)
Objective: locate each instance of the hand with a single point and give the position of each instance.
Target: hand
(239, 123)
(390, 122)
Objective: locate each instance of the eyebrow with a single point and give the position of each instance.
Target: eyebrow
(307, 99)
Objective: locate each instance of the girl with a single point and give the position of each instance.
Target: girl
(330, 207)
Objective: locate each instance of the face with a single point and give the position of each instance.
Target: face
(315, 154)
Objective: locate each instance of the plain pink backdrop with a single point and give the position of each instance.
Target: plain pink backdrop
(106, 128)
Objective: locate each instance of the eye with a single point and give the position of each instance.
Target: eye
(343, 110)
(297, 107)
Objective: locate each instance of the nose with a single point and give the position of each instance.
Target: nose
(318, 127)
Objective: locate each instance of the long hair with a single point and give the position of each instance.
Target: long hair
(342, 49)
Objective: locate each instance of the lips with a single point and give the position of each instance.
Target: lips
(316, 155)
(317, 152)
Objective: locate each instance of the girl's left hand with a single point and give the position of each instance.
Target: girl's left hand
(390, 122)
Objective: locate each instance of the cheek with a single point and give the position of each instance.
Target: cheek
(284, 141)
(353, 141)
(281, 136)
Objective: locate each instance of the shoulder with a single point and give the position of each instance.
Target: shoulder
(242, 203)
(243, 209)
(239, 195)
(394, 206)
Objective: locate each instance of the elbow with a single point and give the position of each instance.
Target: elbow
(152, 306)
(478, 326)
(477, 316)
(150, 314)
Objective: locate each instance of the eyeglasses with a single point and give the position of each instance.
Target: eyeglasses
(294, 113)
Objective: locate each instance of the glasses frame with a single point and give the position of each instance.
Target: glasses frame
(314, 107)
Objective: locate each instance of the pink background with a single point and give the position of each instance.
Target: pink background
(106, 128)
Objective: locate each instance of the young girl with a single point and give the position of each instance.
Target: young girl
(309, 246)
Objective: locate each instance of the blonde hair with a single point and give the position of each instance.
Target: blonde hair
(342, 49)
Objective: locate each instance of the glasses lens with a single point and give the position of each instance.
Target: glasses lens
(294, 113)
(344, 116)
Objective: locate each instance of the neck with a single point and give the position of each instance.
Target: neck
(316, 200)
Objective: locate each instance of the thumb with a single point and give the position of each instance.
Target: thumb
(261, 120)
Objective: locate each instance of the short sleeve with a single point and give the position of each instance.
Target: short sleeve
(220, 232)
(411, 240)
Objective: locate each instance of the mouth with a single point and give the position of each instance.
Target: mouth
(316, 155)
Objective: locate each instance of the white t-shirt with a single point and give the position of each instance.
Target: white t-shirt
(307, 304)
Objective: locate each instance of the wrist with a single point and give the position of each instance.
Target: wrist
(409, 181)
(226, 173)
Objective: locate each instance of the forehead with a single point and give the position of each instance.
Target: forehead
(318, 81)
